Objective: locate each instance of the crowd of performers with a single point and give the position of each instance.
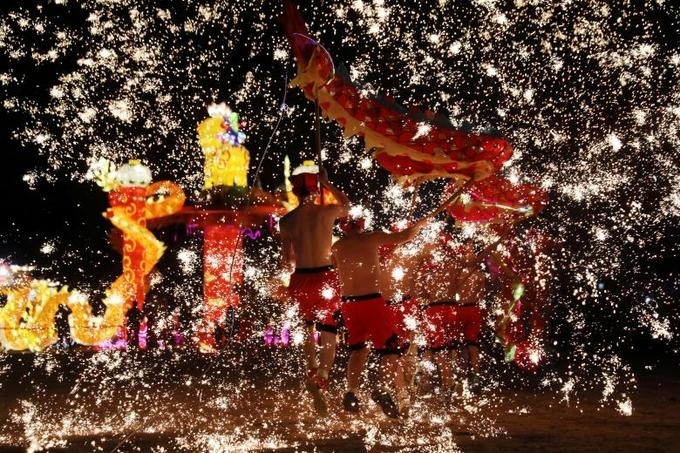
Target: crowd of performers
(414, 302)
(384, 292)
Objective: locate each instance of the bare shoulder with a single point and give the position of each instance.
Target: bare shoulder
(377, 237)
(381, 236)
(338, 245)
(335, 209)
(287, 218)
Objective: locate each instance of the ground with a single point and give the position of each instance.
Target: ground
(162, 401)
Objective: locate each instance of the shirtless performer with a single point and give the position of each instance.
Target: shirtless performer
(306, 237)
(453, 285)
(365, 312)
(399, 266)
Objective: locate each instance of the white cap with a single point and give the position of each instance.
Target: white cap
(134, 173)
(307, 166)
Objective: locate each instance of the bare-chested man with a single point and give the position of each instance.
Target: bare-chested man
(306, 236)
(365, 312)
(454, 285)
(399, 272)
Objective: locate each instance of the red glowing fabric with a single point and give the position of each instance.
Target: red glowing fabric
(409, 308)
(496, 197)
(521, 327)
(411, 145)
(294, 27)
(372, 319)
(134, 201)
(451, 325)
(223, 265)
(307, 290)
(223, 271)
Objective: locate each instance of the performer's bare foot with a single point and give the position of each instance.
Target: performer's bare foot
(385, 401)
(315, 385)
(350, 402)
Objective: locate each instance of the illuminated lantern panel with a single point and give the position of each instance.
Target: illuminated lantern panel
(133, 199)
(226, 167)
(226, 159)
(27, 320)
(223, 272)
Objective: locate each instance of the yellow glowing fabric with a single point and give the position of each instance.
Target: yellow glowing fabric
(225, 164)
(27, 319)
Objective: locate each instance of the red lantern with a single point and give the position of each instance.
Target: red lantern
(223, 271)
(133, 199)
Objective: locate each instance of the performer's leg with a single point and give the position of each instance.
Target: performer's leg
(392, 377)
(443, 360)
(473, 374)
(315, 383)
(473, 351)
(355, 368)
(309, 348)
(327, 346)
(455, 358)
(410, 365)
(458, 375)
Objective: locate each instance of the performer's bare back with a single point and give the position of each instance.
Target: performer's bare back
(307, 230)
(453, 278)
(356, 258)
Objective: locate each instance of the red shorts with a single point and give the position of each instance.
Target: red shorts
(369, 318)
(447, 324)
(406, 312)
(317, 293)
(469, 322)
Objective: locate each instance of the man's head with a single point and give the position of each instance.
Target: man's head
(351, 224)
(305, 180)
(305, 184)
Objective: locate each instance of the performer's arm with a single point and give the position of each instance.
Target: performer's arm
(339, 195)
(404, 235)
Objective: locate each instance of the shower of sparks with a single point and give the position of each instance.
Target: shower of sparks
(586, 93)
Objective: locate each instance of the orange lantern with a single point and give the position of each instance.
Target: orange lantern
(133, 179)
